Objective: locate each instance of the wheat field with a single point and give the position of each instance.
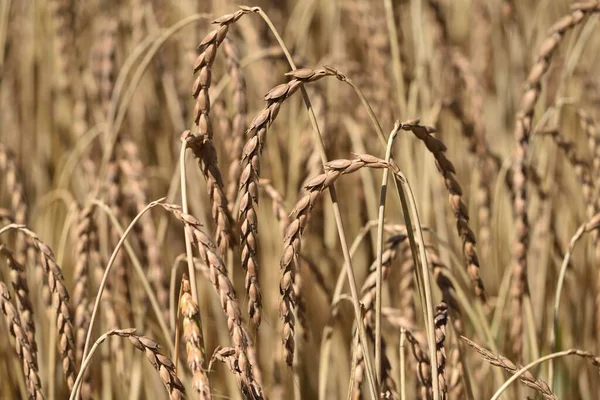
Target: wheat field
(299, 199)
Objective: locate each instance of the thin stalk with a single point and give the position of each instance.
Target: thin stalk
(557, 296)
(402, 364)
(424, 272)
(188, 239)
(379, 273)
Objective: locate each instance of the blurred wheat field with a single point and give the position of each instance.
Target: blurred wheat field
(394, 199)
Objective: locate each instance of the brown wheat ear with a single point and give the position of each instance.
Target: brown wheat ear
(455, 193)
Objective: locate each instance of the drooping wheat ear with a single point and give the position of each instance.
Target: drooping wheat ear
(522, 132)
(238, 124)
(22, 344)
(194, 341)
(423, 367)
(202, 145)
(59, 291)
(461, 213)
(103, 62)
(135, 191)
(581, 167)
(440, 322)
(292, 240)
(527, 378)
(14, 186)
(218, 276)
(255, 141)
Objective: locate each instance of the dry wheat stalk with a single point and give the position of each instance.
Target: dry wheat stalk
(194, 341)
(255, 141)
(527, 378)
(22, 345)
(446, 169)
(218, 276)
(522, 132)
